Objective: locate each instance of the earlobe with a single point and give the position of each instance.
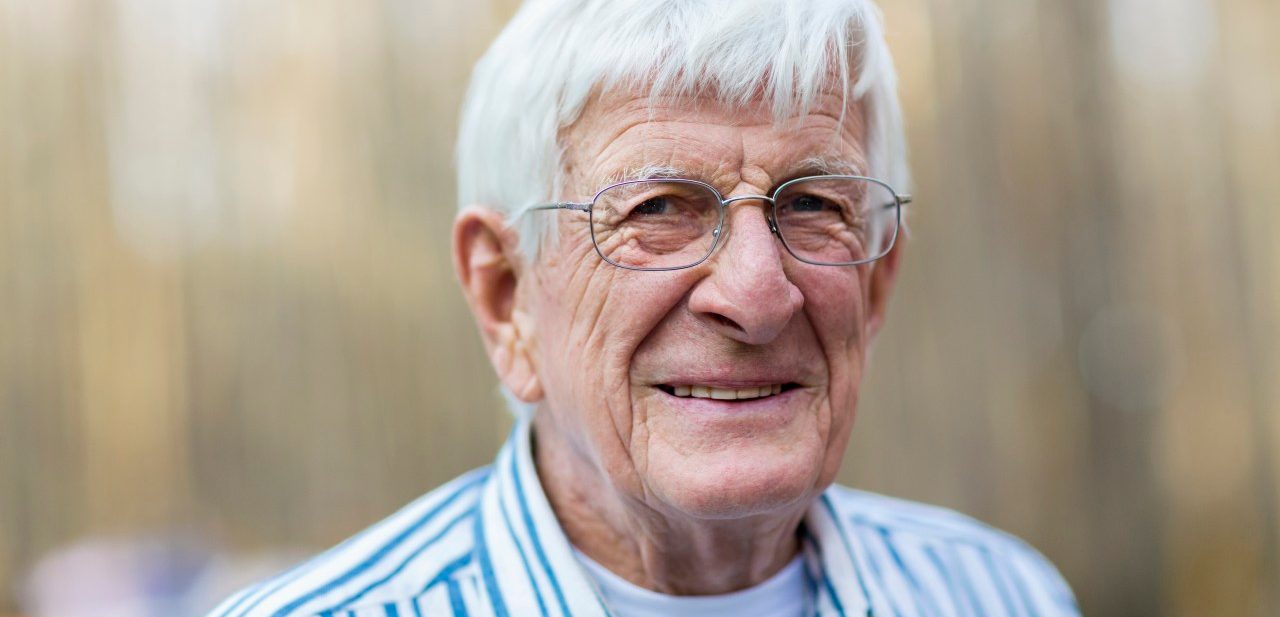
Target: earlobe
(485, 260)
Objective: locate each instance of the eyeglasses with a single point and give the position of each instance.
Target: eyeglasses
(670, 224)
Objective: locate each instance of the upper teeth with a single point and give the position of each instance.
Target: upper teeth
(727, 394)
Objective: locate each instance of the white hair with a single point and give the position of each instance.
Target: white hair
(556, 55)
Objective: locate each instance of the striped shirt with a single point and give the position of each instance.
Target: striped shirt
(488, 544)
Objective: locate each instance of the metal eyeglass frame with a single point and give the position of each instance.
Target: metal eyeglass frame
(899, 200)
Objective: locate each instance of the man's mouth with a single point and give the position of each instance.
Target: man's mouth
(727, 394)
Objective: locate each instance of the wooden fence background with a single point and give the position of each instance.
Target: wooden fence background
(226, 300)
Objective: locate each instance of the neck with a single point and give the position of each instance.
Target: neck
(652, 546)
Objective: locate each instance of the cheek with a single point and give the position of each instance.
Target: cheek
(836, 307)
(591, 319)
(835, 303)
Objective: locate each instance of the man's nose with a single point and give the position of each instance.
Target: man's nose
(748, 296)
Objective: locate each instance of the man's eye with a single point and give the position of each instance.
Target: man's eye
(654, 205)
(808, 203)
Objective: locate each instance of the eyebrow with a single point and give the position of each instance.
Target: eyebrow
(646, 172)
(809, 166)
(827, 166)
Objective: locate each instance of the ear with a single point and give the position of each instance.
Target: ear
(884, 275)
(487, 262)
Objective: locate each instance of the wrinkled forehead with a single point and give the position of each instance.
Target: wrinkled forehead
(626, 134)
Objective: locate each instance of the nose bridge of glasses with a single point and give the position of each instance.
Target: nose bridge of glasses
(764, 198)
(767, 209)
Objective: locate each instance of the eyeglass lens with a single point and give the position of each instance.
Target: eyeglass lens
(667, 224)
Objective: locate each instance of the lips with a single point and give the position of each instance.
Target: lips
(721, 393)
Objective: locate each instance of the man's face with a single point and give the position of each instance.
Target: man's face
(614, 348)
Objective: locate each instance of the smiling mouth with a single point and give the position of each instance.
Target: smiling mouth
(727, 394)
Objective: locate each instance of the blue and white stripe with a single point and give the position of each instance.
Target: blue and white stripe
(488, 545)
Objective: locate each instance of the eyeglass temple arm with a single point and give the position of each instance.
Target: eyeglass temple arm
(902, 199)
(563, 205)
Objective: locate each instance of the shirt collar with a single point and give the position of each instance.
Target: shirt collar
(528, 567)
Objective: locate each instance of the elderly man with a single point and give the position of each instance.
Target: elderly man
(680, 228)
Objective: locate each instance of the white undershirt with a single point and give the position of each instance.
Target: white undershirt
(785, 594)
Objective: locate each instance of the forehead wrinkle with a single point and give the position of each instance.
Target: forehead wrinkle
(667, 144)
(767, 170)
(581, 154)
(582, 150)
(590, 165)
(675, 164)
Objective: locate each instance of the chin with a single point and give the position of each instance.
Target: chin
(737, 482)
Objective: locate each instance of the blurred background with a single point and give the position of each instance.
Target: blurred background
(230, 333)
